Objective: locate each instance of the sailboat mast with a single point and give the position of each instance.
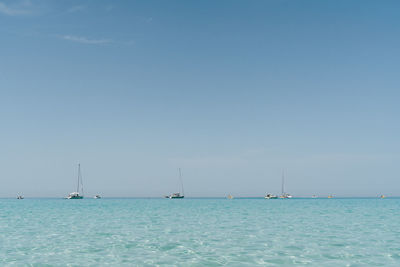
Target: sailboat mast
(79, 175)
(180, 178)
(283, 182)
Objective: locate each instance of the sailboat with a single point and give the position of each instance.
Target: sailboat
(178, 195)
(78, 194)
(284, 194)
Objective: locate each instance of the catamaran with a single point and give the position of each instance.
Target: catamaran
(178, 195)
(78, 194)
(284, 194)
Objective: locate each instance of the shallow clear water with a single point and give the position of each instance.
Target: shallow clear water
(200, 232)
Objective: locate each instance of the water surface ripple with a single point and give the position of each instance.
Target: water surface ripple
(200, 232)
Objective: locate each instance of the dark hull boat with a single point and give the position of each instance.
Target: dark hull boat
(178, 195)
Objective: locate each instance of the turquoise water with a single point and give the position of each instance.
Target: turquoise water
(200, 232)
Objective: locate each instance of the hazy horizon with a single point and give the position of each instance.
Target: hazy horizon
(232, 92)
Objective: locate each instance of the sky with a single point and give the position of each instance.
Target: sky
(232, 92)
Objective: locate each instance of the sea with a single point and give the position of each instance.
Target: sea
(200, 232)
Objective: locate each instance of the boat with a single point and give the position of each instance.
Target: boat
(229, 197)
(97, 197)
(178, 195)
(20, 197)
(79, 193)
(382, 196)
(270, 196)
(284, 194)
(314, 196)
(330, 196)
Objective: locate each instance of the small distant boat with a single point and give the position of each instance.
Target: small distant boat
(314, 196)
(284, 194)
(20, 197)
(178, 195)
(97, 197)
(382, 196)
(270, 196)
(330, 196)
(78, 194)
(229, 197)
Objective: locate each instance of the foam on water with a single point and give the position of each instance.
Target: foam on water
(200, 232)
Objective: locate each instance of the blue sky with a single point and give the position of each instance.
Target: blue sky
(232, 92)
